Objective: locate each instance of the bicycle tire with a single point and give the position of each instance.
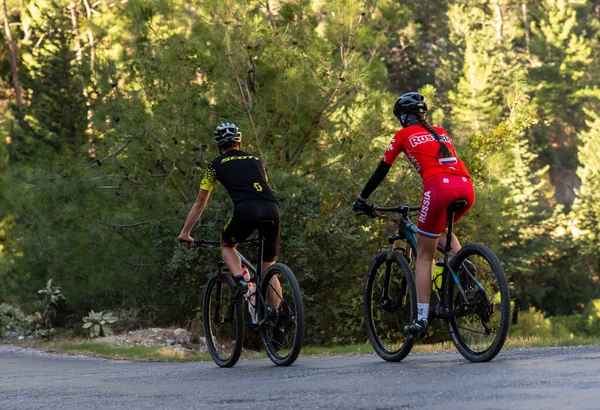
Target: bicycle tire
(277, 330)
(407, 310)
(496, 298)
(216, 333)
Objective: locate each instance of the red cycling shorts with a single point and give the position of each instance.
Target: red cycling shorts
(438, 194)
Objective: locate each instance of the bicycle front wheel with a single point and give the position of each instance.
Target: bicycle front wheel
(281, 315)
(386, 315)
(480, 327)
(223, 321)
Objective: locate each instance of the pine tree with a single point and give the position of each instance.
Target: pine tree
(561, 56)
(586, 208)
(486, 42)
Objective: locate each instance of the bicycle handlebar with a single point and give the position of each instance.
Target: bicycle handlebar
(400, 209)
(201, 242)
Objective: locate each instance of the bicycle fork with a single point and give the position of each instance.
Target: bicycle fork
(386, 300)
(219, 292)
(219, 317)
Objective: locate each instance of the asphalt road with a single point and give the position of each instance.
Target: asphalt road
(552, 378)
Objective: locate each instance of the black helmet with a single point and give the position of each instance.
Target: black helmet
(410, 103)
(227, 132)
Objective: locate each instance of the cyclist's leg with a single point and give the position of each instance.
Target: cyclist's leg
(270, 211)
(237, 228)
(426, 247)
(462, 189)
(432, 218)
(231, 258)
(425, 251)
(272, 234)
(455, 242)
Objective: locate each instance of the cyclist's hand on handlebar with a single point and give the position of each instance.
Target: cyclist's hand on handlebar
(360, 207)
(185, 239)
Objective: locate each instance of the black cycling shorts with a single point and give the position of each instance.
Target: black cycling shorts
(247, 215)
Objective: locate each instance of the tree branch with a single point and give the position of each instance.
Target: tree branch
(117, 226)
(243, 97)
(99, 162)
(344, 53)
(268, 7)
(153, 135)
(13, 61)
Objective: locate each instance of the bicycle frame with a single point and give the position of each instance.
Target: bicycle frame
(407, 231)
(255, 272)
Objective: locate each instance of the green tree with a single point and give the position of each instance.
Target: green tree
(561, 58)
(586, 208)
(486, 39)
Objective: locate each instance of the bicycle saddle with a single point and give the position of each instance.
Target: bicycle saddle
(457, 205)
(265, 226)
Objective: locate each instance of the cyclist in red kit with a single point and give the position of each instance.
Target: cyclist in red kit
(445, 179)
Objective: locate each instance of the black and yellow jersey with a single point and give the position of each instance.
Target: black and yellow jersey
(241, 173)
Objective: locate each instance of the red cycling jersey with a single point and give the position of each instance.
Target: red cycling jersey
(422, 149)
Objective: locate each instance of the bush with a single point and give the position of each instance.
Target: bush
(591, 318)
(11, 318)
(534, 323)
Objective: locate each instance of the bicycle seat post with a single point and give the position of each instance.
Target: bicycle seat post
(261, 242)
(448, 247)
(220, 266)
(454, 206)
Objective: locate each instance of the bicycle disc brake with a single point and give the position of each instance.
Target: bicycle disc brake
(484, 309)
(388, 304)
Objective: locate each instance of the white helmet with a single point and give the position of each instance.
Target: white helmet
(227, 132)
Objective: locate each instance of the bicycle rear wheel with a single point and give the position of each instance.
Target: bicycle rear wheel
(480, 329)
(223, 321)
(385, 317)
(282, 318)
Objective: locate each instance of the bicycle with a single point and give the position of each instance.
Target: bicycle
(278, 306)
(473, 296)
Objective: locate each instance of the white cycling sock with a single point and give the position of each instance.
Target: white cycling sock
(422, 311)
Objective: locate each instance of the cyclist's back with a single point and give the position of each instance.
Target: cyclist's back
(241, 173)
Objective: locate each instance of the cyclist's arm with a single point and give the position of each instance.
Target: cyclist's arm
(387, 160)
(376, 179)
(206, 186)
(195, 212)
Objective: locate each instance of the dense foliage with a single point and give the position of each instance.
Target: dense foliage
(101, 163)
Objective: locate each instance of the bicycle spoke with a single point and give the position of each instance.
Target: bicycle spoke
(472, 330)
(277, 293)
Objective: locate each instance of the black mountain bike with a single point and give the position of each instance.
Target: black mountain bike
(472, 297)
(278, 306)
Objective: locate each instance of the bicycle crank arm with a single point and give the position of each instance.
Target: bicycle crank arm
(450, 314)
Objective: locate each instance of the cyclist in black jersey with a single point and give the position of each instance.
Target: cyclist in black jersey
(245, 179)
